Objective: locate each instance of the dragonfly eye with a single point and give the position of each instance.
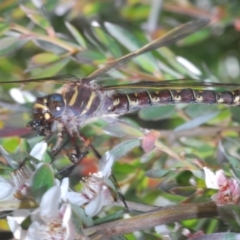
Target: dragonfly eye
(56, 105)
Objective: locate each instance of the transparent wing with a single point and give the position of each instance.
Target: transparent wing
(172, 84)
(171, 37)
(60, 78)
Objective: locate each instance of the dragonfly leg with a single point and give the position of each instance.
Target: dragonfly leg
(75, 159)
(120, 194)
(76, 155)
(88, 144)
(58, 145)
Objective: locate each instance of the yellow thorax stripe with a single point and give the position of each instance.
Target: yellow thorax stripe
(73, 99)
(93, 95)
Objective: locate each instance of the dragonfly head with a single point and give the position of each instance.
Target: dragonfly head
(45, 111)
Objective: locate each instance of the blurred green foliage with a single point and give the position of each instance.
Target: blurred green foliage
(72, 37)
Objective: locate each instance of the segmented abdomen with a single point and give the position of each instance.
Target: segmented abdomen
(126, 102)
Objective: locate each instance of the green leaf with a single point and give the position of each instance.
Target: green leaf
(56, 46)
(8, 157)
(156, 173)
(11, 144)
(235, 114)
(4, 26)
(196, 38)
(230, 214)
(5, 167)
(154, 113)
(121, 129)
(111, 217)
(79, 38)
(25, 147)
(50, 70)
(43, 180)
(89, 56)
(44, 58)
(77, 214)
(37, 17)
(47, 157)
(9, 45)
(128, 40)
(171, 58)
(123, 148)
(196, 110)
(108, 41)
(79, 217)
(235, 164)
(26, 223)
(150, 155)
(183, 190)
(197, 121)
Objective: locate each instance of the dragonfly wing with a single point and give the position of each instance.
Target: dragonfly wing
(169, 38)
(60, 78)
(171, 84)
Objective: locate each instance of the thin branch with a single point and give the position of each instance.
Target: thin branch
(151, 219)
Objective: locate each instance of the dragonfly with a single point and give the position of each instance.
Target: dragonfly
(82, 100)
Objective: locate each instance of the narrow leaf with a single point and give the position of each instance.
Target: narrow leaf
(235, 164)
(25, 147)
(4, 26)
(9, 45)
(79, 38)
(157, 112)
(123, 148)
(80, 217)
(89, 56)
(156, 173)
(128, 40)
(111, 217)
(50, 70)
(37, 17)
(44, 58)
(197, 121)
(150, 155)
(108, 41)
(13, 163)
(120, 129)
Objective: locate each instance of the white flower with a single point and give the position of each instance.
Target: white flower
(95, 192)
(7, 188)
(49, 221)
(38, 150)
(19, 184)
(15, 222)
(228, 188)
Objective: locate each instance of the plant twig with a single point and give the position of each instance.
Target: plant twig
(151, 219)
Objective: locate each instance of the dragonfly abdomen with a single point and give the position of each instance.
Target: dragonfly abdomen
(132, 101)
